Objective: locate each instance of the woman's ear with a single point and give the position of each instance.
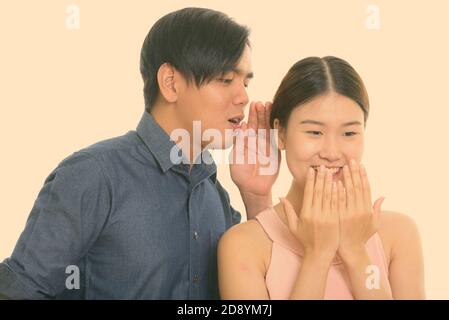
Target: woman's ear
(281, 134)
(166, 82)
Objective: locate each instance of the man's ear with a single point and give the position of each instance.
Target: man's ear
(166, 82)
(281, 134)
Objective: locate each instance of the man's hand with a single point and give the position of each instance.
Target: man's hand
(255, 159)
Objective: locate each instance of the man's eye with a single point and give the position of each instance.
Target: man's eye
(315, 133)
(349, 134)
(225, 80)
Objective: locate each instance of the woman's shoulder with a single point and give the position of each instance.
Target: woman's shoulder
(248, 240)
(395, 230)
(392, 221)
(248, 234)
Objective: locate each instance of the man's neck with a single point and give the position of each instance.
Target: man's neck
(168, 119)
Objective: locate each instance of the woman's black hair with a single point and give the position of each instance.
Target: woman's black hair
(200, 43)
(312, 77)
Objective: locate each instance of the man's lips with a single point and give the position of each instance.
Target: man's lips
(235, 121)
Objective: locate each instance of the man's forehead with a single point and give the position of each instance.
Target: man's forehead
(243, 68)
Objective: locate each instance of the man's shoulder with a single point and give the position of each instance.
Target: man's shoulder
(106, 154)
(108, 149)
(111, 145)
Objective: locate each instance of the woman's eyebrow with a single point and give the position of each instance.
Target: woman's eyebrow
(308, 121)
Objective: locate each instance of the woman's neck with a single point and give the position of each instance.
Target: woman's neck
(295, 196)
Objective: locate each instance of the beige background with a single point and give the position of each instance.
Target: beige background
(61, 90)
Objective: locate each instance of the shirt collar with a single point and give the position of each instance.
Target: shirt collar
(160, 145)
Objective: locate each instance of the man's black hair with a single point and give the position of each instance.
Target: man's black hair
(200, 43)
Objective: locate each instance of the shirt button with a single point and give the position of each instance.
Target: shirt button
(196, 279)
(195, 235)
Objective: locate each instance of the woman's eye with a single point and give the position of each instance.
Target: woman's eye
(315, 133)
(349, 134)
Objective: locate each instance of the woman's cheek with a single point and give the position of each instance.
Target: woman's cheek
(354, 150)
(299, 157)
(308, 149)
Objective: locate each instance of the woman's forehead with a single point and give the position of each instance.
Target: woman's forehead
(329, 108)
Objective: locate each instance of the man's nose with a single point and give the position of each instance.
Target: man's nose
(241, 96)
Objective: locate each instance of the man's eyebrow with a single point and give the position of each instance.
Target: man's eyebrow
(248, 75)
(322, 123)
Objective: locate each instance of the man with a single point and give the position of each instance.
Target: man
(124, 219)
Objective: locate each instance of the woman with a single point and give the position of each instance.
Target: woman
(325, 239)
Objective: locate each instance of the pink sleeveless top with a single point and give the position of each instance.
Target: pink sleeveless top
(286, 258)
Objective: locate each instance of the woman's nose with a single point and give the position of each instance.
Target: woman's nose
(330, 150)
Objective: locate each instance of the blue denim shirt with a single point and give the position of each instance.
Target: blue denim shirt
(134, 224)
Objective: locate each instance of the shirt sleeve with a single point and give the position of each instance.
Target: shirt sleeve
(232, 216)
(68, 215)
(236, 216)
